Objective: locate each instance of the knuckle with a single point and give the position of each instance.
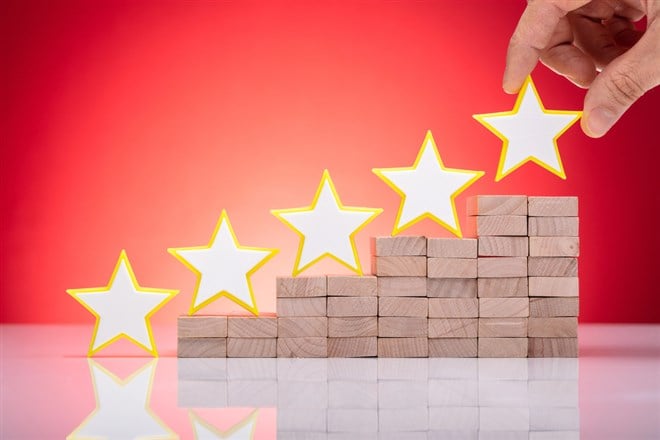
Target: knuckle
(624, 87)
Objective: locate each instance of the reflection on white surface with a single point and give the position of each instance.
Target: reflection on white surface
(244, 430)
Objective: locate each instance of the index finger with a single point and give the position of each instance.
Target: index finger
(532, 35)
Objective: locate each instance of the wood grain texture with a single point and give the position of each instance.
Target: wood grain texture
(402, 286)
(411, 266)
(453, 348)
(502, 267)
(452, 268)
(251, 347)
(352, 327)
(202, 326)
(453, 328)
(494, 246)
(503, 347)
(251, 327)
(401, 327)
(453, 307)
(403, 347)
(502, 287)
(339, 285)
(352, 347)
(301, 306)
(552, 206)
(452, 248)
(553, 226)
(353, 306)
(201, 347)
(565, 327)
(402, 306)
(302, 347)
(452, 288)
(497, 205)
(554, 286)
(552, 267)
(302, 326)
(553, 347)
(504, 225)
(301, 287)
(503, 327)
(553, 307)
(503, 307)
(554, 246)
(403, 245)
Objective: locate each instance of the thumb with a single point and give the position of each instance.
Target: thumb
(622, 83)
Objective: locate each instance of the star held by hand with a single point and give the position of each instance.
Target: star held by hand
(223, 267)
(327, 228)
(428, 189)
(122, 308)
(529, 133)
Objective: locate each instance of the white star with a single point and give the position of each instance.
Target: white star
(428, 188)
(223, 267)
(243, 430)
(327, 228)
(529, 133)
(122, 308)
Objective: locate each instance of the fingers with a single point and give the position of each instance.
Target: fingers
(595, 39)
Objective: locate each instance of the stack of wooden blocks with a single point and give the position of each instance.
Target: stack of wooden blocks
(510, 292)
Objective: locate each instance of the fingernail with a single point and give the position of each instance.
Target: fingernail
(599, 121)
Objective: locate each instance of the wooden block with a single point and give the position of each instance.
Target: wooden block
(413, 307)
(504, 225)
(552, 206)
(402, 286)
(352, 347)
(403, 245)
(452, 248)
(502, 287)
(453, 328)
(398, 327)
(552, 267)
(503, 347)
(554, 246)
(493, 246)
(452, 288)
(553, 307)
(403, 347)
(453, 348)
(309, 347)
(201, 326)
(452, 268)
(299, 327)
(352, 285)
(201, 347)
(553, 226)
(301, 306)
(412, 266)
(502, 327)
(553, 327)
(497, 205)
(453, 307)
(301, 287)
(503, 307)
(252, 327)
(251, 347)
(502, 267)
(554, 286)
(352, 327)
(553, 347)
(353, 306)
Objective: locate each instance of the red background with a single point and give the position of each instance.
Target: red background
(133, 124)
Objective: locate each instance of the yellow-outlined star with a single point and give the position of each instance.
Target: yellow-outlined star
(122, 297)
(421, 185)
(242, 430)
(117, 399)
(529, 133)
(223, 267)
(324, 226)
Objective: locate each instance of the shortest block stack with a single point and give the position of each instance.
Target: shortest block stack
(202, 336)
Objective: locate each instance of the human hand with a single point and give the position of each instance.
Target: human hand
(578, 39)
